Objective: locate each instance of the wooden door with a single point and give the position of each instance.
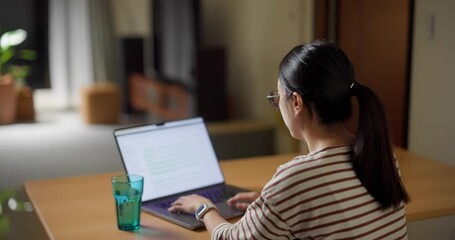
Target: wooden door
(375, 36)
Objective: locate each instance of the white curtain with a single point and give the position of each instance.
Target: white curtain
(70, 55)
(103, 41)
(82, 48)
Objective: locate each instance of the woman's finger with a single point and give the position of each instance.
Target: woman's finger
(242, 206)
(243, 196)
(173, 208)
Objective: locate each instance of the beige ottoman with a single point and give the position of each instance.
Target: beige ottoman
(101, 104)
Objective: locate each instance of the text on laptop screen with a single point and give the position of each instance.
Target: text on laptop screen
(174, 157)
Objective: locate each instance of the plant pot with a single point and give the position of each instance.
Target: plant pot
(25, 111)
(7, 100)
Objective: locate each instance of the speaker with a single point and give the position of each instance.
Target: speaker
(211, 84)
(132, 61)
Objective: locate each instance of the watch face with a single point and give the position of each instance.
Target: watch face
(200, 211)
(203, 209)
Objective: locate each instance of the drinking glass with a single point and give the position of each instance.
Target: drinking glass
(127, 190)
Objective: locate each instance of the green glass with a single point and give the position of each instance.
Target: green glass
(127, 191)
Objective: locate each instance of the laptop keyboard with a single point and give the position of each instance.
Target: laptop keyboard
(215, 195)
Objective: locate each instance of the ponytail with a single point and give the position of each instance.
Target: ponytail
(373, 158)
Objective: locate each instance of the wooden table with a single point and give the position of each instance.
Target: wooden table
(83, 207)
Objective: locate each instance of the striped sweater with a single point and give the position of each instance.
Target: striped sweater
(316, 196)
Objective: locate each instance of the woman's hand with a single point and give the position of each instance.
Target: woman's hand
(188, 204)
(243, 200)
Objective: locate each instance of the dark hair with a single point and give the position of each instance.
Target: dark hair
(324, 77)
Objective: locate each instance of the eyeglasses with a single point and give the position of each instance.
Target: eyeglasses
(274, 99)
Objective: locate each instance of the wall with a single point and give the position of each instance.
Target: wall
(257, 34)
(132, 18)
(432, 114)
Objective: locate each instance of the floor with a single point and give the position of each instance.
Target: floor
(56, 145)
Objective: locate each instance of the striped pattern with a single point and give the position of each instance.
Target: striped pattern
(317, 196)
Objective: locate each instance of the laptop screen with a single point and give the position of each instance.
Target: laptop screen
(173, 157)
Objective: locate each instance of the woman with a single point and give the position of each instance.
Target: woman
(347, 187)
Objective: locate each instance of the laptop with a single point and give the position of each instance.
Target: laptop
(175, 158)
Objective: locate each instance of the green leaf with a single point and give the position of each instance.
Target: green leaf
(27, 54)
(7, 194)
(6, 56)
(18, 71)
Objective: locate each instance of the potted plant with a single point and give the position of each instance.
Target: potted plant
(7, 99)
(8, 72)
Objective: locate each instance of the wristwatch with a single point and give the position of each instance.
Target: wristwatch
(202, 210)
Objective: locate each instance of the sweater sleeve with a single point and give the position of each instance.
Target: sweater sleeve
(219, 230)
(260, 221)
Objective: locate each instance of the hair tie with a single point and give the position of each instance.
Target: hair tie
(352, 89)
